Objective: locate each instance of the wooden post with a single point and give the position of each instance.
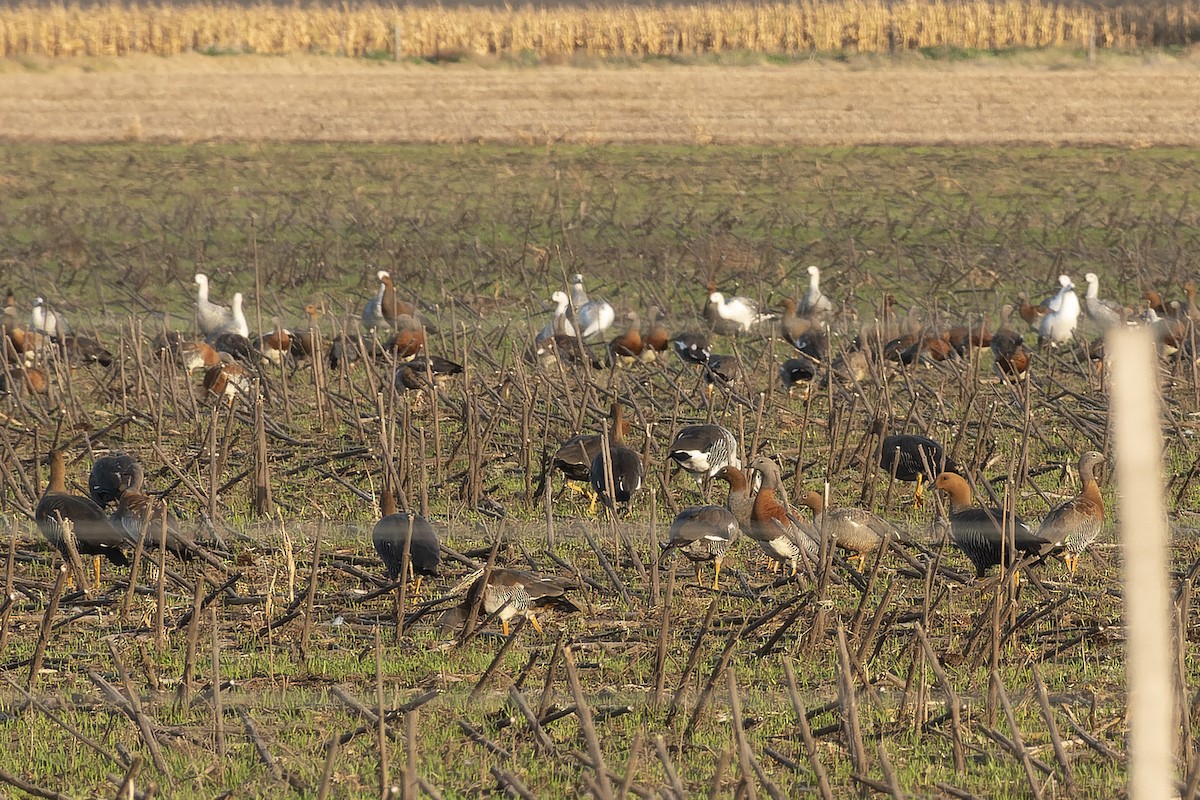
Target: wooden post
(1137, 437)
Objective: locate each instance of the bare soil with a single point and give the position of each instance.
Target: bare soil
(1030, 99)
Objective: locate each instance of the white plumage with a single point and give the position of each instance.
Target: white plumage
(1058, 325)
(211, 318)
(1104, 313)
(46, 321)
(740, 311)
(814, 301)
(560, 324)
(594, 316)
(372, 314)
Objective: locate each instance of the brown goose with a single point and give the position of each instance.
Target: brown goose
(139, 514)
(94, 535)
(575, 456)
(976, 531)
(739, 501)
(1076, 523)
(778, 530)
(853, 529)
(512, 592)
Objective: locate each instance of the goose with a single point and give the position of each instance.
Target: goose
(574, 457)
(1062, 315)
(142, 518)
(112, 476)
(625, 468)
(732, 315)
(426, 372)
(408, 340)
(1075, 524)
(656, 338)
(704, 450)
(398, 529)
(46, 321)
(627, 349)
(703, 533)
(798, 371)
(1105, 313)
(594, 316)
(977, 532)
(913, 458)
(803, 332)
(1011, 356)
(814, 302)
(372, 313)
(511, 593)
(211, 318)
(228, 379)
(853, 529)
(94, 535)
(779, 532)
(560, 324)
(692, 348)
(275, 344)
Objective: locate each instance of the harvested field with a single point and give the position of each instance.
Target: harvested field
(1041, 99)
(892, 680)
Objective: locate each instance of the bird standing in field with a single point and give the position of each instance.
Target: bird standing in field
(1105, 313)
(739, 501)
(853, 529)
(978, 532)
(94, 535)
(703, 533)
(1011, 356)
(815, 303)
(1075, 524)
(781, 534)
(729, 315)
(575, 456)
(140, 515)
(399, 529)
(617, 479)
(1062, 315)
(703, 450)
(47, 321)
(372, 314)
(211, 318)
(913, 459)
(594, 316)
(511, 592)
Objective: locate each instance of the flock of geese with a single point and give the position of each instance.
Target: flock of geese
(118, 516)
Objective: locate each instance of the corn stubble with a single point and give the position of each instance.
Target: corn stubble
(611, 31)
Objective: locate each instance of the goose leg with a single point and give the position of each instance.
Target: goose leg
(537, 626)
(717, 575)
(504, 626)
(96, 567)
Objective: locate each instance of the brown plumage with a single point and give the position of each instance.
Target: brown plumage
(275, 344)
(1076, 523)
(140, 515)
(627, 348)
(852, 529)
(976, 531)
(306, 337)
(93, 533)
(228, 379)
(975, 333)
(511, 592)
(409, 339)
(1030, 313)
(739, 501)
(198, 355)
(657, 339)
(1011, 356)
(777, 529)
(575, 456)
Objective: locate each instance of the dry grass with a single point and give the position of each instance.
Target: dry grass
(622, 30)
(1125, 101)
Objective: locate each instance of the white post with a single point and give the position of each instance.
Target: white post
(1137, 436)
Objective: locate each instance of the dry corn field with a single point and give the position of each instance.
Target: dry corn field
(624, 31)
(291, 662)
